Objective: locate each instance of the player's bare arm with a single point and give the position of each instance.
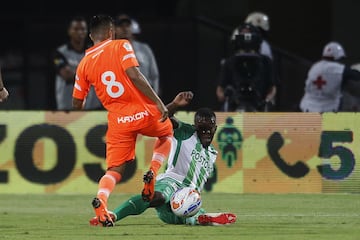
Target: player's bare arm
(77, 104)
(143, 85)
(180, 100)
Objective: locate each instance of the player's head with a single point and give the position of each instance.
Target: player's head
(126, 27)
(246, 37)
(101, 28)
(205, 125)
(78, 29)
(123, 27)
(333, 50)
(259, 19)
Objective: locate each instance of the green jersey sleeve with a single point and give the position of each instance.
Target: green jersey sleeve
(184, 131)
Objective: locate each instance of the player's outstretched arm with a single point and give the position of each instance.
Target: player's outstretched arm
(143, 85)
(78, 104)
(180, 100)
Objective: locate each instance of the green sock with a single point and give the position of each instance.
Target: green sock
(193, 220)
(134, 206)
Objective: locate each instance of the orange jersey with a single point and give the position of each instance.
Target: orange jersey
(103, 66)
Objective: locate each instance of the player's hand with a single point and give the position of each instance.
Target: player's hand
(4, 94)
(183, 98)
(164, 112)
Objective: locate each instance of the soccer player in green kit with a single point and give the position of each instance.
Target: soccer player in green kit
(190, 163)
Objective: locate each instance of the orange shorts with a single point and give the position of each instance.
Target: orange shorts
(121, 136)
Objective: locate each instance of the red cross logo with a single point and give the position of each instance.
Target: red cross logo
(319, 82)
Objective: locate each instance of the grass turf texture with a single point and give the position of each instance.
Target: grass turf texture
(260, 216)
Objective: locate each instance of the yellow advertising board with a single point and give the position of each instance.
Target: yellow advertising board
(64, 152)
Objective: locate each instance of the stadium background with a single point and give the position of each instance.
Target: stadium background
(189, 37)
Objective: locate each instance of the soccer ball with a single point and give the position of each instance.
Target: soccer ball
(185, 202)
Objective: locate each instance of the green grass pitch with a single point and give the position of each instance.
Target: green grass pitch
(260, 216)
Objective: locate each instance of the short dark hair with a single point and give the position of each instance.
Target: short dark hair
(100, 21)
(122, 18)
(205, 113)
(76, 19)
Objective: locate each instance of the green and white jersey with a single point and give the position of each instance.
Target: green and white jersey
(189, 162)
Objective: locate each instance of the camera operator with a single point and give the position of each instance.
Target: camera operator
(246, 81)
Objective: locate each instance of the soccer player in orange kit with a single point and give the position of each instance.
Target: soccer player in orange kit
(133, 108)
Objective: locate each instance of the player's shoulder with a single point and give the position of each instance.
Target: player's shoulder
(213, 150)
(183, 126)
(184, 131)
(123, 43)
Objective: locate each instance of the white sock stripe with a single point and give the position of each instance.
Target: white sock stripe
(110, 177)
(104, 191)
(158, 157)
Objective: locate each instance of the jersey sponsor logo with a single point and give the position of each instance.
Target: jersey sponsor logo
(127, 46)
(136, 117)
(203, 160)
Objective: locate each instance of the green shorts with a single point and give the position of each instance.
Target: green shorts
(167, 186)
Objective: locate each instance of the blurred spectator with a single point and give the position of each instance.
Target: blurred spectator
(127, 27)
(326, 80)
(262, 22)
(246, 81)
(4, 94)
(66, 59)
(351, 100)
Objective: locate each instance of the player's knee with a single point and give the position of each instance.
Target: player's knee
(158, 200)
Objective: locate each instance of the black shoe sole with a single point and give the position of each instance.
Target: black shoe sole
(96, 202)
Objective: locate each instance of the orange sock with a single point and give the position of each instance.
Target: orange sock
(107, 184)
(161, 152)
(155, 165)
